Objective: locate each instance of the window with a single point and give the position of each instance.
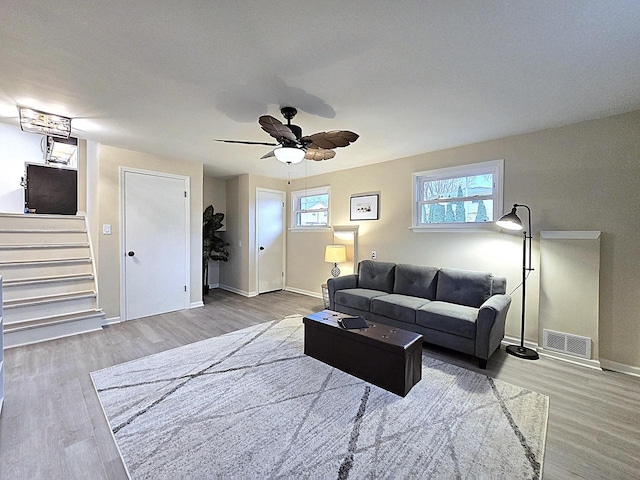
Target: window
(310, 208)
(458, 197)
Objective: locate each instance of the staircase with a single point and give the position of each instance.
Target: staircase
(48, 276)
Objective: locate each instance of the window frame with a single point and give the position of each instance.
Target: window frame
(495, 167)
(309, 192)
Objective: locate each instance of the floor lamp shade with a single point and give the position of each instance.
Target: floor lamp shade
(335, 254)
(511, 221)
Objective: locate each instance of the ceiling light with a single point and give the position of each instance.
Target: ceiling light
(61, 151)
(289, 155)
(35, 121)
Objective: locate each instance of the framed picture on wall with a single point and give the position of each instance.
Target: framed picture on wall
(364, 207)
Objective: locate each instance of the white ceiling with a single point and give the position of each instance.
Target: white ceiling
(167, 77)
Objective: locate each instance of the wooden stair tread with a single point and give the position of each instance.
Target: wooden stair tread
(52, 320)
(42, 230)
(54, 261)
(28, 246)
(51, 279)
(61, 297)
(36, 216)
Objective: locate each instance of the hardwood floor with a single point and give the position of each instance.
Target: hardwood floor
(52, 424)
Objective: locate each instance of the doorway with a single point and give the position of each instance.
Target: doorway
(270, 239)
(154, 243)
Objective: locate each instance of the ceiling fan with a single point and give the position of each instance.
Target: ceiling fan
(292, 147)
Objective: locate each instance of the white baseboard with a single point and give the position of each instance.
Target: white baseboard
(238, 291)
(583, 362)
(214, 285)
(111, 321)
(507, 340)
(599, 364)
(303, 292)
(196, 304)
(619, 367)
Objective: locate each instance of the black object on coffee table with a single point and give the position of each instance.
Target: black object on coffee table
(388, 357)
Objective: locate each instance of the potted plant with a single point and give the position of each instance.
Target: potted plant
(213, 247)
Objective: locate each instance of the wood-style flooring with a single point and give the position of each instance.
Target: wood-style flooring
(52, 425)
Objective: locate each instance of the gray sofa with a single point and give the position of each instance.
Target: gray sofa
(457, 309)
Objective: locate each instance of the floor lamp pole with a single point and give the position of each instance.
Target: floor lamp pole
(521, 351)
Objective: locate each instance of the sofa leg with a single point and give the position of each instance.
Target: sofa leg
(482, 363)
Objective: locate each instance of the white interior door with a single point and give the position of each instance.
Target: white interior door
(155, 243)
(270, 239)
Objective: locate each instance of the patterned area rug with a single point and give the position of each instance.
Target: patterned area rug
(250, 404)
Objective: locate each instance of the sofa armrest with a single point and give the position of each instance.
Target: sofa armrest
(340, 283)
(492, 317)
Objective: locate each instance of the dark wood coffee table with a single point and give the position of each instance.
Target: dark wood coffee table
(388, 357)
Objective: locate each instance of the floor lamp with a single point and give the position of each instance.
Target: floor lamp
(511, 221)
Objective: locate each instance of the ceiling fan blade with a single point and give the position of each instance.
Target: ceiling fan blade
(246, 143)
(319, 154)
(276, 128)
(332, 139)
(267, 155)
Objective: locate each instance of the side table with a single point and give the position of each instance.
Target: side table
(325, 295)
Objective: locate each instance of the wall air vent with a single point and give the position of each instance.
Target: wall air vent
(566, 343)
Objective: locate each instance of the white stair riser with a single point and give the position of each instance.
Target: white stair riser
(41, 222)
(17, 254)
(47, 309)
(28, 238)
(48, 288)
(48, 332)
(18, 273)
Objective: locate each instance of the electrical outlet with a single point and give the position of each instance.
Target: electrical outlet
(373, 255)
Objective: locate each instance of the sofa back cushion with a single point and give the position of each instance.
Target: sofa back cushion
(376, 275)
(499, 286)
(463, 287)
(416, 281)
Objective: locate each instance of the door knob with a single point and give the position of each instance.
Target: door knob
(131, 254)
(261, 248)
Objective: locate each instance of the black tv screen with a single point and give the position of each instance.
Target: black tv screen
(51, 190)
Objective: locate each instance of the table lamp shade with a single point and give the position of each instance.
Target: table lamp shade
(335, 254)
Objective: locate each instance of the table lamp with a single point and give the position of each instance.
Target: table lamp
(335, 254)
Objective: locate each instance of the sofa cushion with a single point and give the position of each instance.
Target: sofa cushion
(415, 281)
(463, 287)
(447, 317)
(399, 307)
(358, 298)
(499, 286)
(376, 275)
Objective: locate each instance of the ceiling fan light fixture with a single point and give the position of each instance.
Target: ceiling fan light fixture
(289, 155)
